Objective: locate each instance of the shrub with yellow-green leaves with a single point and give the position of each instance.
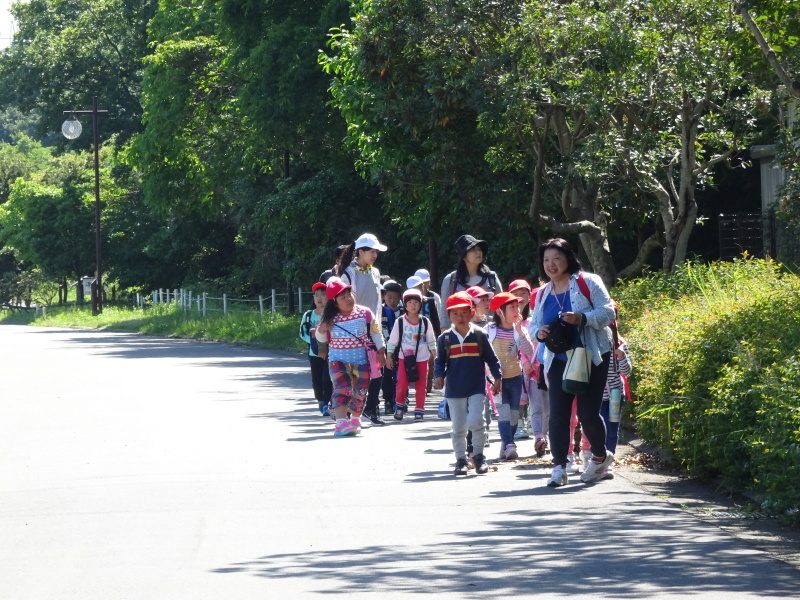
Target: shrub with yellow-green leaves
(716, 350)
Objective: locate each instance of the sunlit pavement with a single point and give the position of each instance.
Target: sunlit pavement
(136, 467)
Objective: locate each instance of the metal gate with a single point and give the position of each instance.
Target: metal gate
(739, 233)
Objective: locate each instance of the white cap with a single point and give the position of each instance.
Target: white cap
(367, 240)
(413, 282)
(423, 275)
(412, 293)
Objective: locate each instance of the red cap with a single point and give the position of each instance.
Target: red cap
(476, 292)
(501, 300)
(318, 286)
(517, 284)
(335, 287)
(459, 300)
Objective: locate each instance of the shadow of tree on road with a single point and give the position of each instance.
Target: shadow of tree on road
(636, 552)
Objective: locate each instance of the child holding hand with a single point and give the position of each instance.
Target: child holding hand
(412, 339)
(462, 353)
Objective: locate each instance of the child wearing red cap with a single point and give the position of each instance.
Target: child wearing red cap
(349, 329)
(320, 379)
(507, 337)
(522, 290)
(462, 354)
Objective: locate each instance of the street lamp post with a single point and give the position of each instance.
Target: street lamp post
(71, 130)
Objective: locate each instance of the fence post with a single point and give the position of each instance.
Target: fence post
(44, 311)
(273, 303)
(189, 302)
(175, 295)
(261, 305)
(300, 301)
(224, 305)
(204, 305)
(160, 296)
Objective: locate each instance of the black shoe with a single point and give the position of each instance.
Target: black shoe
(375, 418)
(481, 468)
(389, 409)
(461, 467)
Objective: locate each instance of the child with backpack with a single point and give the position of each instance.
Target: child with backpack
(320, 379)
(431, 305)
(462, 354)
(352, 333)
(507, 336)
(390, 311)
(411, 344)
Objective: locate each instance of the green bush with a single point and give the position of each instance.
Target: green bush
(717, 369)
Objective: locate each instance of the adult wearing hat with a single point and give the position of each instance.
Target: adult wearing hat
(470, 270)
(356, 266)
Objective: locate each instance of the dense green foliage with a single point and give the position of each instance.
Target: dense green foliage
(716, 350)
(236, 127)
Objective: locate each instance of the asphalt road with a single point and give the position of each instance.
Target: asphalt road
(135, 467)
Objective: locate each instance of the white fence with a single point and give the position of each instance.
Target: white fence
(205, 304)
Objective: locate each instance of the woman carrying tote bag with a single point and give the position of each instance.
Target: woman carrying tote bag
(574, 298)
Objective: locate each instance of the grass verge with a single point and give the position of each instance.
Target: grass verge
(239, 328)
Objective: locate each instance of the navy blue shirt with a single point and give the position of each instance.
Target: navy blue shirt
(551, 310)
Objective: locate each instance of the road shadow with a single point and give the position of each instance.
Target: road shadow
(633, 551)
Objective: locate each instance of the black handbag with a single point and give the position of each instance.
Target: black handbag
(412, 371)
(561, 337)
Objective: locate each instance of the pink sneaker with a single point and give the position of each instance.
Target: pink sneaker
(355, 423)
(344, 428)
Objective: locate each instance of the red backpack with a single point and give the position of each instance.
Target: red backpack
(582, 286)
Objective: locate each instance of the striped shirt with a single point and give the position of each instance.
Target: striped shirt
(614, 380)
(507, 344)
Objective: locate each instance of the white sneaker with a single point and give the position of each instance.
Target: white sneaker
(559, 477)
(608, 473)
(511, 452)
(594, 471)
(572, 467)
(586, 456)
(522, 432)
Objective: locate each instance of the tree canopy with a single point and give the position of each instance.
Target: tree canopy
(246, 139)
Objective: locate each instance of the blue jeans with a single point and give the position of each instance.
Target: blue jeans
(612, 429)
(594, 428)
(508, 410)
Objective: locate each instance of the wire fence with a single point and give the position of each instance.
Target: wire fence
(205, 304)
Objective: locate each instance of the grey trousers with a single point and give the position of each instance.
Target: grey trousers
(466, 414)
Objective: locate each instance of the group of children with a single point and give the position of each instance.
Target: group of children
(485, 361)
